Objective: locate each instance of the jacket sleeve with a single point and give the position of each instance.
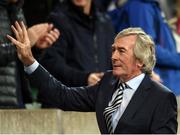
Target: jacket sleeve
(165, 118)
(55, 57)
(144, 16)
(55, 93)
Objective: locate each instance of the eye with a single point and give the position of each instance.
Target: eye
(113, 49)
(121, 50)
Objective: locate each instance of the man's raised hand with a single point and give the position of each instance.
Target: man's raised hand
(22, 43)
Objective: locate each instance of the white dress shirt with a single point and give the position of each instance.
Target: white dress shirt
(30, 69)
(127, 95)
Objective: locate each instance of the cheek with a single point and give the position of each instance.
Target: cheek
(129, 64)
(132, 65)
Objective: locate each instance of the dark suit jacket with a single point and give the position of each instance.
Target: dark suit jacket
(152, 109)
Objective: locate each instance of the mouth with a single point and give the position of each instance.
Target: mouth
(117, 65)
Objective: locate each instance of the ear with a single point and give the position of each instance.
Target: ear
(139, 64)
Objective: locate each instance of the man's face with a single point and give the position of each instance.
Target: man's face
(81, 3)
(125, 65)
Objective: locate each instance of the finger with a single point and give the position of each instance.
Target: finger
(56, 33)
(95, 80)
(48, 40)
(95, 77)
(19, 30)
(15, 32)
(50, 26)
(24, 30)
(101, 74)
(14, 41)
(18, 27)
(98, 79)
(53, 35)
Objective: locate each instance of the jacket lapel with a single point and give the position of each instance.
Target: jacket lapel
(107, 91)
(110, 89)
(135, 103)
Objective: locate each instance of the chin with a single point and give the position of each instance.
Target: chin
(116, 73)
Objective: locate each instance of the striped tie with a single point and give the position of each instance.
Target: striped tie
(108, 111)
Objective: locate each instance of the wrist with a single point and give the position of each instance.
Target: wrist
(29, 61)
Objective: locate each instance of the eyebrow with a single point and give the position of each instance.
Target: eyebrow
(113, 46)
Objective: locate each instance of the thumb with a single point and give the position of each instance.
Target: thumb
(100, 75)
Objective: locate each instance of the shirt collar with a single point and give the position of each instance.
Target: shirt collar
(136, 81)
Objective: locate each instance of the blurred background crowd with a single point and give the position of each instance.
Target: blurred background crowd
(82, 53)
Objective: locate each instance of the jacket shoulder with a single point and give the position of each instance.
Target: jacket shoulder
(161, 89)
(109, 77)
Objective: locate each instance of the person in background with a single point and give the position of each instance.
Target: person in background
(148, 15)
(82, 53)
(103, 4)
(14, 87)
(126, 100)
(37, 11)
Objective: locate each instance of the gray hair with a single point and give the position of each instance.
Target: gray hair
(144, 48)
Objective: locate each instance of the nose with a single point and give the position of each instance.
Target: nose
(115, 55)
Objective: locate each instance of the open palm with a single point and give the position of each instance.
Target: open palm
(22, 43)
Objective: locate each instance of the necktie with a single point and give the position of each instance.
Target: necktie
(115, 104)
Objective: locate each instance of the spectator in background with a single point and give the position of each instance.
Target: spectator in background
(37, 11)
(103, 4)
(148, 15)
(168, 7)
(14, 88)
(83, 52)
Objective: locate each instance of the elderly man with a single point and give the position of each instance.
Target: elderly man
(126, 100)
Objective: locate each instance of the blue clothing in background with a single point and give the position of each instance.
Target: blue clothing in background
(147, 15)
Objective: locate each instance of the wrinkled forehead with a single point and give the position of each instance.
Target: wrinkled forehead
(128, 40)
